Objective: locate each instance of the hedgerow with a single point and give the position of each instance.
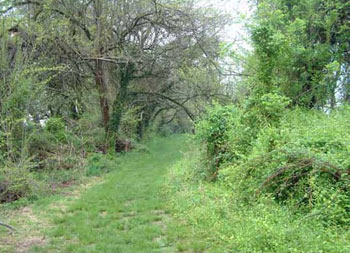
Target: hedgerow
(299, 158)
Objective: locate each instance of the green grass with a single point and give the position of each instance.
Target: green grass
(123, 212)
(151, 202)
(221, 222)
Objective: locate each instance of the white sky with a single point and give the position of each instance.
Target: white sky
(240, 10)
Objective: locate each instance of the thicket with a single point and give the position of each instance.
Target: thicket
(266, 176)
(218, 218)
(40, 150)
(298, 157)
(287, 137)
(273, 173)
(74, 92)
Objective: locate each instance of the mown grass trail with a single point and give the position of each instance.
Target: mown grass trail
(125, 213)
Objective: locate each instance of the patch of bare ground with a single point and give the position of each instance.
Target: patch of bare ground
(65, 184)
(161, 220)
(77, 191)
(30, 225)
(27, 234)
(72, 194)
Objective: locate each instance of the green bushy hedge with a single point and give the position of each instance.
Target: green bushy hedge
(299, 158)
(16, 182)
(99, 163)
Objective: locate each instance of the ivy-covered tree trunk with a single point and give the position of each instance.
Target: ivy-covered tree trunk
(119, 104)
(146, 114)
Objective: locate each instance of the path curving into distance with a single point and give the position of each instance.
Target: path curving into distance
(124, 213)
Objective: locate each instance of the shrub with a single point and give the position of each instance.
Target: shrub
(40, 144)
(217, 216)
(229, 132)
(303, 162)
(99, 163)
(213, 131)
(299, 158)
(50, 154)
(16, 181)
(56, 127)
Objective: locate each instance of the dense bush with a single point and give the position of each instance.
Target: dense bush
(56, 127)
(40, 144)
(99, 163)
(16, 182)
(217, 220)
(214, 131)
(298, 158)
(53, 154)
(228, 132)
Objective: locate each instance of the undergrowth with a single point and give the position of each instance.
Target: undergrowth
(265, 177)
(222, 221)
(122, 211)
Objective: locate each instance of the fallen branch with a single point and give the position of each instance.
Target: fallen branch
(305, 166)
(7, 226)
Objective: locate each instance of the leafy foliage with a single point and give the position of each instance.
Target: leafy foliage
(281, 157)
(296, 43)
(99, 163)
(77, 77)
(228, 132)
(56, 127)
(16, 182)
(216, 217)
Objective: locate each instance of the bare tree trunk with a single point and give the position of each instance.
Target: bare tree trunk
(102, 89)
(99, 70)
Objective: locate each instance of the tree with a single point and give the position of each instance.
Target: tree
(124, 41)
(301, 49)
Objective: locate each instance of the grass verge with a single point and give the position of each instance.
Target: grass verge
(123, 211)
(215, 219)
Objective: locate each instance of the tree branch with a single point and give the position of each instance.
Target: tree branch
(7, 226)
(187, 111)
(73, 20)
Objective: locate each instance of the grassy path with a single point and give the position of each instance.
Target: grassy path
(124, 213)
